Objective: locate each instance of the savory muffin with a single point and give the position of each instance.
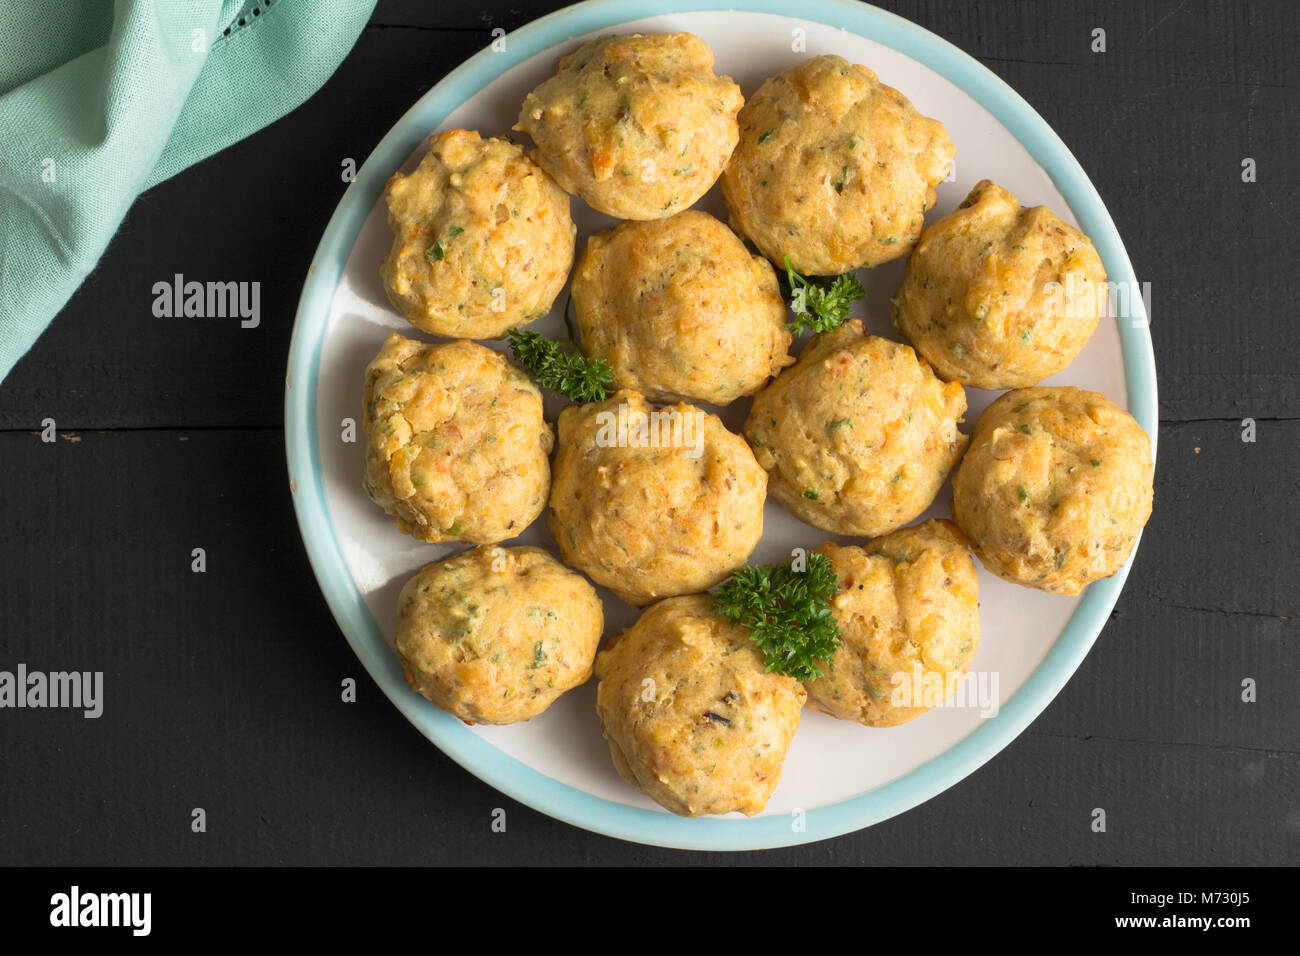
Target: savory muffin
(494, 635)
(834, 169)
(908, 611)
(456, 445)
(858, 435)
(1055, 488)
(999, 296)
(638, 126)
(681, 310)
(653, 502)
(482, 239)
(692, 718)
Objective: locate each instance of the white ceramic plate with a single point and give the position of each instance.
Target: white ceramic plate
(839, 776)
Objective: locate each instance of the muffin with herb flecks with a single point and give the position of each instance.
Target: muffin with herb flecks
(834, 169)
(482, 238)
(907, 606)
(857, 436)
(997, 295)
(456, 444)
(653, 502)
(639, 125)
(1055, 489)
(681, 310)
(692, 716)
(495, 635)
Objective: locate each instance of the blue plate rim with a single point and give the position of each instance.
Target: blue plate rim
(479, 756)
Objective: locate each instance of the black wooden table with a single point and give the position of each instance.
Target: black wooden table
(222, 689)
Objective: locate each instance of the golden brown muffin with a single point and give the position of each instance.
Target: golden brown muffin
(494, 635)
(638, 126)
(834, 169)
(482, 239)
(908, 611)
(1055, 489)
(653, 502)
(456, 445)
(1000, 296)
(681, 310)
(691, 717)
(858, 435)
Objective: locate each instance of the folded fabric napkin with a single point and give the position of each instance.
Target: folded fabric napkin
(100, 101)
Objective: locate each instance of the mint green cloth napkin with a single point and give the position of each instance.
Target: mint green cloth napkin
(100, 100)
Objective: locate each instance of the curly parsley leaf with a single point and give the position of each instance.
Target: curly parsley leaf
(821, 303)
(569, 373)
(787, 612)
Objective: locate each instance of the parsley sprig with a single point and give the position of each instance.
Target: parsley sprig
(787, 612)
(568, 372)
(821, 303)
